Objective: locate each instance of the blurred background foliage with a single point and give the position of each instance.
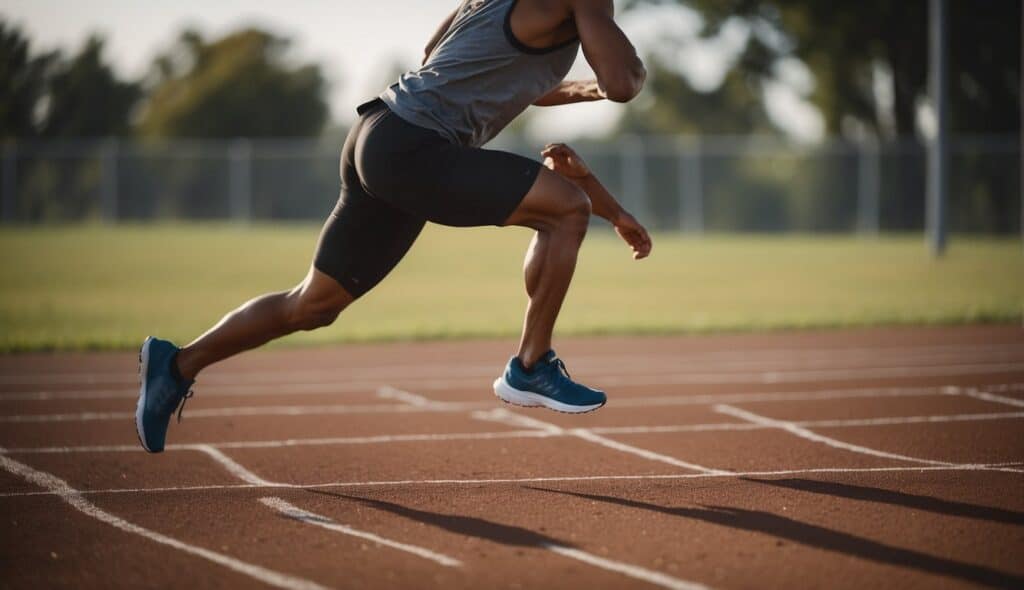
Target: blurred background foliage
(861, 65)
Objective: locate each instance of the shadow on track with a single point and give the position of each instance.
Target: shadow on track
(883, 496)
(462, 525)
(822, 538)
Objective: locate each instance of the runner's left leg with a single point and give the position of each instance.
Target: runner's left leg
(313, 303)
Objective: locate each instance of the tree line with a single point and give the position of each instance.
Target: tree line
(240, 85)
(866, 62)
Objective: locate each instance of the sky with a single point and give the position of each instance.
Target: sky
(357, 42)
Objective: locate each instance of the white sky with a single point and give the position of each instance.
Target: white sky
(356, 41)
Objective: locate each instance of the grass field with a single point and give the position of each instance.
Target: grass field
(98, 287)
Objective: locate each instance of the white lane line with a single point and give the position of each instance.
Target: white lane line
(60, 488)
(828, 394)
(254, 411)
(995, 467)
(354, 387)
(810, 376)
(991, 397)
(309, 382)
(532, 433)
(296, 442)
(633, 571)
(233, 467)
(616, 401)
(618, 446)
(703, 359)
(443, 407)
(504, 416)
(295, 513)
(1004, 387)
(846, 423)
(813, 436)
(412, 399)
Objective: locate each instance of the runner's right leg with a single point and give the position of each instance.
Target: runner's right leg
(559, 212)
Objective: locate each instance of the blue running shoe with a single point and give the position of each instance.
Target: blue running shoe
(547, 385)
(160, 395)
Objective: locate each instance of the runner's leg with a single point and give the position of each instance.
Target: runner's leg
(312, 304)
(361, 242)
(559, 212)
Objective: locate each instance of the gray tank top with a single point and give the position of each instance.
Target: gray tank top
(479, 76)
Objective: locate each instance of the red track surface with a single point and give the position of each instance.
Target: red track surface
(874, 458)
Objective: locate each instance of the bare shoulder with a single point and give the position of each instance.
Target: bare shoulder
(590, 7)
(542, 22)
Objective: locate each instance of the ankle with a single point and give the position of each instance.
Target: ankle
(181, 371)
(529, 359)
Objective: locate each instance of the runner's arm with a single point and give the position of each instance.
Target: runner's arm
(441, 30)
(571, 91)
(563, 160)
(620, 73)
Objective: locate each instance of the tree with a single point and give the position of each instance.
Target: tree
(240, 85)
(854, 49)
(86, 99)
(674, 106)
(869, 62)
(23, 79)
(48, 95)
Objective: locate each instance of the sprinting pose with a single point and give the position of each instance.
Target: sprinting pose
(414, 156)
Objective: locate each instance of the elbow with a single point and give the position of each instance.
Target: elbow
(625, 87)
(623, 90)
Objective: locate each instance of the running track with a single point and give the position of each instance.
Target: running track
(853, 459)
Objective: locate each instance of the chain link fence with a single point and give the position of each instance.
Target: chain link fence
(692, 184)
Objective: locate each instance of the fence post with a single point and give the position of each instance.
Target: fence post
(9, 208)
(634, 177)
(240, 180)
(938, 147)
(108, 184)
(869, 186)
(691, 186)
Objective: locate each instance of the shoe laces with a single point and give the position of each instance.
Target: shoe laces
(181, 406)
(560, 367)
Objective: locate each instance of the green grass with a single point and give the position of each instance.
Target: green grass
(97, 287)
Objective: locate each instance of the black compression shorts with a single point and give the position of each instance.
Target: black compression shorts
(395, 177)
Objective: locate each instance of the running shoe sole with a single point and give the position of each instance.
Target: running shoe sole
(143, 369)
(529, 399)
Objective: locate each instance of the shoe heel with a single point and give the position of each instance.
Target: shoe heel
(511, 395)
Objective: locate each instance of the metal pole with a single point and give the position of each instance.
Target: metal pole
(634, 177)
(240, 180)
(691, 186)
(9, 209)
(1020, 130)
(938, 149)
(108, 186)
(868, 187)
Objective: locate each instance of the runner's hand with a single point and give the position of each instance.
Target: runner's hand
(565, 161)
(634, 234)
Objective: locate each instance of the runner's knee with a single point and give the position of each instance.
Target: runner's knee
(310, 313)
(574, 217)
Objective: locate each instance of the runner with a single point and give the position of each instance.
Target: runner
(414, 155)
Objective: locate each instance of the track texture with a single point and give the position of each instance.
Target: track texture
(847, 459)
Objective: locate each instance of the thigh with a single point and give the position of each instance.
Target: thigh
(418, 171)
(549, 201)
(363, 240)
(472, 186)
